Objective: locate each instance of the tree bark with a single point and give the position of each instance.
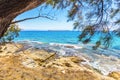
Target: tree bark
(4, 24)
(9, 9)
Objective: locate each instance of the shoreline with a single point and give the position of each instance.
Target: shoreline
(31, 57)
(59, 43)
(100, 60)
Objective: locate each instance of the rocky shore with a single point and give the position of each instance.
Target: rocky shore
(18, 62)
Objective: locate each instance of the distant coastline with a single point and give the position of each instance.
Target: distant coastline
(52, 30)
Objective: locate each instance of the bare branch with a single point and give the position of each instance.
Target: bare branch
(42, 16)
(80, 2)
(102, 8)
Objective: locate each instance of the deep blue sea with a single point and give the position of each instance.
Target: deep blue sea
(65, 37)
(101, 59)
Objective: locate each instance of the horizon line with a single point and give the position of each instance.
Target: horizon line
(48, 30)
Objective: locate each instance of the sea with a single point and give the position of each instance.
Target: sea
(66, 43)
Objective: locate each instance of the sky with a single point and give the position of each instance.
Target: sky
(59, 22)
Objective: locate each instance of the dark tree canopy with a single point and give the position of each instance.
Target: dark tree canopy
(90, 16)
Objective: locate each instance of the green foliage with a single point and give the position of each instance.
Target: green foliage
(92, 17)
(10, 34)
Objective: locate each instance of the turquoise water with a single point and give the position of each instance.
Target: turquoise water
(66, 37)
(70, 37)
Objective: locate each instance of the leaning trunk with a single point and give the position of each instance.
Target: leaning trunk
(3, 27)
(4, 24)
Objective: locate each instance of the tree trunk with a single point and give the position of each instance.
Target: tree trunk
(4, 24)
(9, 9)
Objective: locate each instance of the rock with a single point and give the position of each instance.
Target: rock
(115, 75)
(69, 70)
(66, 62)
(9, 48)
(2, 48)
(40, 56)
(35, 64)
(30, 63)
(12, 69)
(77, 59)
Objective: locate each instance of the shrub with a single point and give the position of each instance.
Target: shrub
(11, 33)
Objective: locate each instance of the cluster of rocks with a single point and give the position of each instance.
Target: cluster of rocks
(17, 63)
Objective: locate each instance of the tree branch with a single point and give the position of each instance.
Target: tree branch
(42, 16)
(80, 2)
